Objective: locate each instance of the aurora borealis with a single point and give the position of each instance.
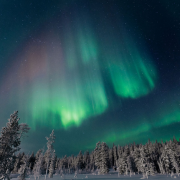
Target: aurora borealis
(91, 70)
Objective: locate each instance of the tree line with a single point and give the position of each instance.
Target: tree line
(149, 159)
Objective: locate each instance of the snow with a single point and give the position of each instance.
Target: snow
(110, 176)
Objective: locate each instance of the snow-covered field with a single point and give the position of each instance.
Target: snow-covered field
(110, 176)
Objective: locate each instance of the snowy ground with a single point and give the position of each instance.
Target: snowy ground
(110, 176)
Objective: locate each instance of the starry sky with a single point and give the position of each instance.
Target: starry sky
(92, 70)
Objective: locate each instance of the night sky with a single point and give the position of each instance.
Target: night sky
(92, 70)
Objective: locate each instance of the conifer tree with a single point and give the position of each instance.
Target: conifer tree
(125, 155)
(24, 128)
(17, 163)
(37, 170)
(136, 155)
(143, 163)
(119, 166)
(31, 161)
(148, 149)
(173, 161)
(115, 154)
(49, 150)
(55, 162)
(150, 168)
(161, 167)
(38, 154)
(92, 161)
(166, 160)
(23, 168)
(111, 159)
(86, 160)
(104, 158)
(130, 164)
(97, 155)
(51, 167)
(57, 168)
(79, 162)
(9, 144)
(65, 162)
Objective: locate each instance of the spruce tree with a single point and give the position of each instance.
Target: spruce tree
(17, 163)
(24, 128)
(166, 160)
(51, 167)
(111, 159)
(119, 167)
(161, 167)
(65, 162)
(130, 164)
(97, 155)
(115, 155)
(37, 170)
(104, 158)
(92, 161)
(136, 155)
(24, 168)
(173, 161)
(49, 150)
(125, 155)
(86, 160)
(9, 144)
(80, 163)
(143, 163)
(57, 168)
(31, 161)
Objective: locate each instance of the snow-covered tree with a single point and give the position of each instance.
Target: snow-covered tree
(49, 150)
(9, 144)
(17, 163)
(143, 163)
(37, 170)
(174, 163)
(97, 155)
(92, 161)
(24, 128)
(161, 167)
(130, 164)
(150, 168)
(115, 154)
(65, 162)
(31, 161)
(79, 162)
(51, 167)
(24, 168)
(125, 155)
(57, 167)
(86, 160)
(166, 160)
(104, 158)
(111, 158)
(136, 155)
(101, 157)
(122, 166)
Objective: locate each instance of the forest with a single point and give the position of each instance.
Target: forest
(148, 159)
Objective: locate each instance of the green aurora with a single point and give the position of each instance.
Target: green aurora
(131, 74)
(79, 91)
